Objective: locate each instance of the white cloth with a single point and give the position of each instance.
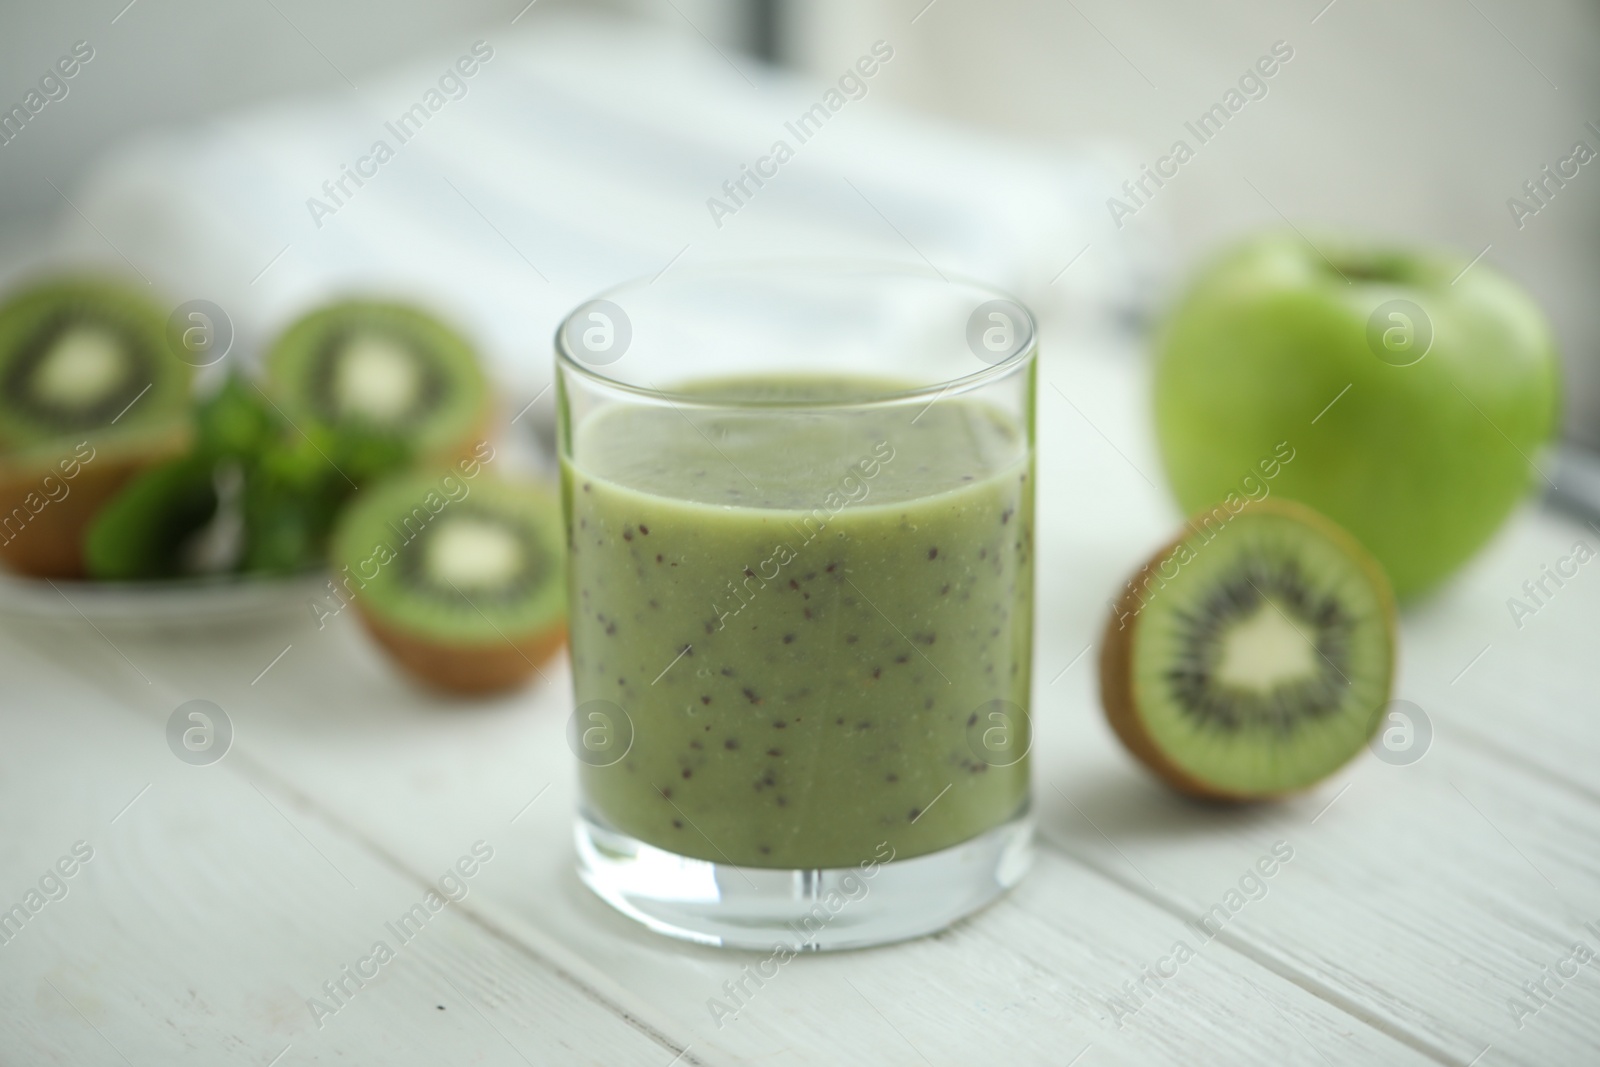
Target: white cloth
(582, 153)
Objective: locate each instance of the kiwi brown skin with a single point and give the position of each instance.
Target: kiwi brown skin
(51, 544)
(469, 669)
(1116, 652)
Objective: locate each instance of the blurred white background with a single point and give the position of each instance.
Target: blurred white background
(1415, 121)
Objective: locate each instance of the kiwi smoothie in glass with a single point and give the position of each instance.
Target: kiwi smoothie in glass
(798, 500)
(810, 641)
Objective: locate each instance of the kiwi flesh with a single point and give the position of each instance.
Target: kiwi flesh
(89, 396)
(459, 578)
(383, 367)
(1251, 659)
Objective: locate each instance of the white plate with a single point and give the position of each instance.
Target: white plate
(188, 603)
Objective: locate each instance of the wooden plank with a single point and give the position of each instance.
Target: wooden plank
(1418, 901)
(1036, 979)
(203, 914)
(1516, 684)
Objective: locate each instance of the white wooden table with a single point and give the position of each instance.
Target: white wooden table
(1418, 901)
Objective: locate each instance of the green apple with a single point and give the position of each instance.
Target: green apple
(1412, 399)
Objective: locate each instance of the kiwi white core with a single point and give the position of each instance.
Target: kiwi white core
(469, 552)
(83, 364)
(376, 377)
(1265, 651)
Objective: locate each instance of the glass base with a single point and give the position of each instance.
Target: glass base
(801, 910)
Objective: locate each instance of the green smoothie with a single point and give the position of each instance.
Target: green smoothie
(808, 619)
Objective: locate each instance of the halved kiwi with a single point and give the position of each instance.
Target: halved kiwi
(89, 396)
(1252, 656)
(459, 578)
(381, 366)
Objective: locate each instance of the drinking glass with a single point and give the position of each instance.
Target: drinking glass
(799, 511)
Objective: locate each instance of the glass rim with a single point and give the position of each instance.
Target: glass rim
(819, 267)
